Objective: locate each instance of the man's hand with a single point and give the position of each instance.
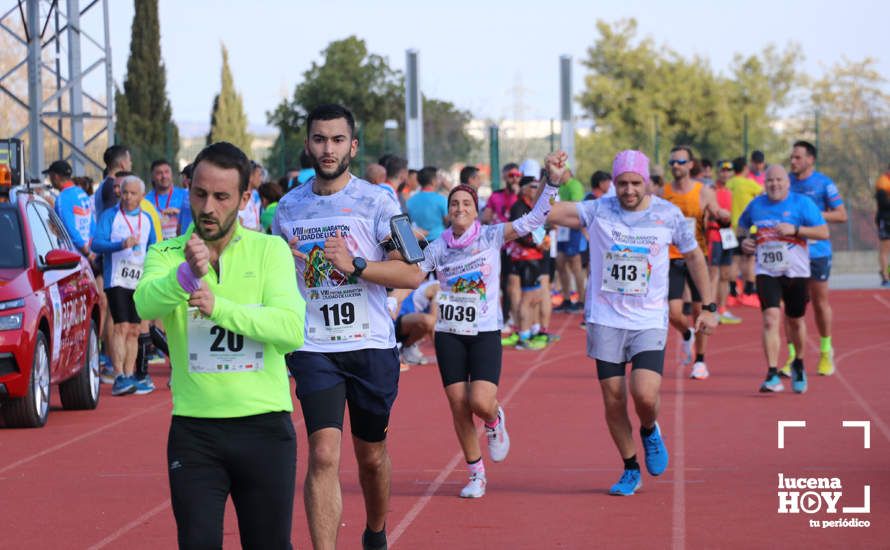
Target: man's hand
(294, 243)
(785, 229)
(337, 252)
(172, 212)
(197, 255)
(130, 242)
(749, 246)
(706, 322)
(555, 163)
(203, 299)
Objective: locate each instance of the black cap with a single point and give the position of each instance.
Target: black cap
(59, 167)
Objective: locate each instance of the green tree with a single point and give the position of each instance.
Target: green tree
(228, 122)
(445, 140)
(144, 118)
(645, 96)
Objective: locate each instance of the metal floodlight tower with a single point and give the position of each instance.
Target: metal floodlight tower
(33, 36)
(567, 136)
(413, 111)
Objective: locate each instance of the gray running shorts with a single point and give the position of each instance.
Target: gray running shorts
(619, 345)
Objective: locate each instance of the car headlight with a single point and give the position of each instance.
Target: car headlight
(12, 304)
(12, 321)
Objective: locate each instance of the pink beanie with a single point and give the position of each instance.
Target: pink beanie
(630, 161)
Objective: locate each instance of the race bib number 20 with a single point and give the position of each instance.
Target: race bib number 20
(214, 349)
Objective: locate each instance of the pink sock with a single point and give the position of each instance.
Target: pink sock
(476, 468)
(497, 420)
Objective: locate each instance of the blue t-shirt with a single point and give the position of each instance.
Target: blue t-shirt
(766, 215)
(428, 210)
(824, 194)
(76, 210)
(176, 197)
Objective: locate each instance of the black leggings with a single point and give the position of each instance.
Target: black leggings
(254, 458)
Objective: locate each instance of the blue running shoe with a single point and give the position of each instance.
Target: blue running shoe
(144, 386)
(656, 452)
(772, 384)
(798, 377)
(123, 385)
(630, 481)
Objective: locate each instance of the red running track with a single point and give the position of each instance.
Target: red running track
(97, 479)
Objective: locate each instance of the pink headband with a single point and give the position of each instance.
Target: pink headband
(630, 161)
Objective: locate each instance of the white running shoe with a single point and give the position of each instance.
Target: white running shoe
(699, 371)
(688, 346)
(412, 355)
(475, 488)
(498, 439)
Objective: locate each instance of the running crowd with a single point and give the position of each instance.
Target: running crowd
(334, 280)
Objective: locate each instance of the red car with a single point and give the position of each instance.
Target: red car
(49, 312)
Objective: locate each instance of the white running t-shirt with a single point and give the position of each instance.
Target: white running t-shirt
(342, 313)
(628, 282)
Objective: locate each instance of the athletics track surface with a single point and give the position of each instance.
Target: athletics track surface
(97, 479)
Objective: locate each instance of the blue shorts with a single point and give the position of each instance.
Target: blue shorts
(820, 268)
(366, 379)
(718, 256)
(571, 247)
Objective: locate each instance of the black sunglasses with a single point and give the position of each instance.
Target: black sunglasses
(680, 162)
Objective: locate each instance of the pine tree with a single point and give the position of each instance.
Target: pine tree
(144, 117)
(228, 122)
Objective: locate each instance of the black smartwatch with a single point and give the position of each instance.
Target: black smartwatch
(712, 307)
(360, 264)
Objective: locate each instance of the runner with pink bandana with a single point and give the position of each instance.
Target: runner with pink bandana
(626, 305)
(467, 263)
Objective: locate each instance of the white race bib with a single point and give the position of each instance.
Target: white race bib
(625, 273)
(693, 226)
(125, 272)
(728, 238)
(169, 226)
(773, 256)
(458, 313)
(562, 234)
(337, 314)
(213, 349)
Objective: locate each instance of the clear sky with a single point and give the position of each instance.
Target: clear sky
(475, 53)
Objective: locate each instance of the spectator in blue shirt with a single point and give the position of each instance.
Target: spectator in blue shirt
(428, 209)
(73, 206)
(117, 159)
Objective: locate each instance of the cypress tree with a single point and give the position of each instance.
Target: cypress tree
(144, 117)
(228, 122)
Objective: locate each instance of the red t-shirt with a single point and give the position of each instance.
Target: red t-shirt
(724, 201)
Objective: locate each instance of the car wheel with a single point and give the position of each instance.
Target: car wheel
(82, 391)
(32, 410)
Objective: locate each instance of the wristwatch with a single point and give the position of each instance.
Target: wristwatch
(360, 264)
(712, 307)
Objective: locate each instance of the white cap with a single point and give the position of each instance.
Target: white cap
(530, 167)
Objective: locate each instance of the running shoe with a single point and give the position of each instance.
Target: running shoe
(656, 452)
(369, 544)
(413, 356)
(688, 346)
(144, 386)
(699, 371)
(577, 307)
(785, 372)
(123, 385)
(106, 374)
(631, 481)
(475, 488)
(565, 306)
(772, 384)
(826, 363)
(732, 301)
(531, 344)
(885, 284)
(546, 337)
(498, 439)
(799, 378)
(510, 340)
(749, 300)
(729, 318)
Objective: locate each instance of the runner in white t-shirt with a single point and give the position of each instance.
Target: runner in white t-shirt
(335, 225)
(467, 262)
(626, 305)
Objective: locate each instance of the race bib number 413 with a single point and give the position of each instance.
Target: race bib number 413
(625, 273)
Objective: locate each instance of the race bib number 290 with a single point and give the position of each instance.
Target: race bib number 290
(337, 314)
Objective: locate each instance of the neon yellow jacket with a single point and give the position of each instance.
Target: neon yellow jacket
(255, 269)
